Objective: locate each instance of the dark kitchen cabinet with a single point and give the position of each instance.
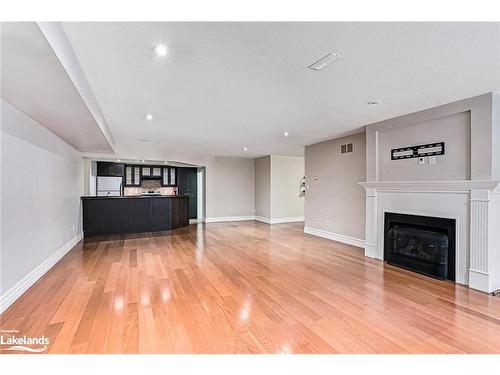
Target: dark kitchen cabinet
(159, 210)
(146, 171)
(94, 219)
(132, 175)
(187, 185)
(139, 217)
(116, 216)
(169, 176)
(156, 171)
(120, 215)
(108, 169)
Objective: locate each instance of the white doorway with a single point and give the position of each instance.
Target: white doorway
(200, 195)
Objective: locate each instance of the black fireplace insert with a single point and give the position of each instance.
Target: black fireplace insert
(423, 244)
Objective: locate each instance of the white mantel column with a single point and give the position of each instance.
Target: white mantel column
(371, 223)
(480, 240)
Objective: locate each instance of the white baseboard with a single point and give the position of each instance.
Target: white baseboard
(480, 281)
(279, 220)
(263, 219)
(335, 237)
(228, 218)
(11, 295)
(194, 221)
(258, 218)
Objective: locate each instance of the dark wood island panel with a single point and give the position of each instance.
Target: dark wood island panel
(121, 215)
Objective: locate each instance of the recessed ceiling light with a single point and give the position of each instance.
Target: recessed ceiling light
(285, 134)
(324, 61)
(149, 117)
(244, 148)
(372, 102)
(161, 50)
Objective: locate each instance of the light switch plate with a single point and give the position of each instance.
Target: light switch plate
(421, 161)
(432, 159)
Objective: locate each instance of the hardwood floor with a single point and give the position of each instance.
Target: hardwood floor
(247, 287)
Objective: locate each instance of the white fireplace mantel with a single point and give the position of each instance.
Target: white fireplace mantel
(458, 185)
(472, 203)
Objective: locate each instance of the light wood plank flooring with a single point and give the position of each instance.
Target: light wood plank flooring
(247, 287)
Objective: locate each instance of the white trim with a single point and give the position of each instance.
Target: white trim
(279, 220)
(480, 281)
(11, 295)
(61, 46)
(335, 237)
(193, 221)
(458, 186)
(263, 219)
(228, 218)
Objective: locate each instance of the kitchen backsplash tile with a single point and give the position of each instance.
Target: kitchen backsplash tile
(149, 185)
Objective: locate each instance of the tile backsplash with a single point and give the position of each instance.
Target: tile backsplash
(149, 185)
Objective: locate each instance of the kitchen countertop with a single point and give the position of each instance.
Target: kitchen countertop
(134, 196)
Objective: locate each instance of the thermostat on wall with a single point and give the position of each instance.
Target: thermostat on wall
(419, 151)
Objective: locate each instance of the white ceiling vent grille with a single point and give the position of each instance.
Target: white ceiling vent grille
(324, 61)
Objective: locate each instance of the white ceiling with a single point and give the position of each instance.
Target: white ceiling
(225, 86)
(34, 81)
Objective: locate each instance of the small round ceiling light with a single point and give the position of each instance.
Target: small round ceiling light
(161, 50)
(285, 134)
(245, 148)
(149, 117)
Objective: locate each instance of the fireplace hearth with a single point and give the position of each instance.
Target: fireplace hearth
(423, 244)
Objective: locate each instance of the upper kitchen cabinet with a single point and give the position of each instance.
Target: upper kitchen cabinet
(132, 175)
(156, 172)
(169, 176)
(151, 172)
(108, 169)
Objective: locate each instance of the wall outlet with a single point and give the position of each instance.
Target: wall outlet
(421, 161)
(316, 178)
(432, 159)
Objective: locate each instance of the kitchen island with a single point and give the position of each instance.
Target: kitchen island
(133, 214)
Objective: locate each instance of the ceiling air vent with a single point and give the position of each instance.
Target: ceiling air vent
(324, 61)
(345, 148)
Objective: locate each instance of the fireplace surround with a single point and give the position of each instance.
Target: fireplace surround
(423, 244)
(475, 207)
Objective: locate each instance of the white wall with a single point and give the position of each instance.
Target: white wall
(277, 189)
(230, 188)
(42, 182)
(263, 187)
(335, 203)
(286, 174)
